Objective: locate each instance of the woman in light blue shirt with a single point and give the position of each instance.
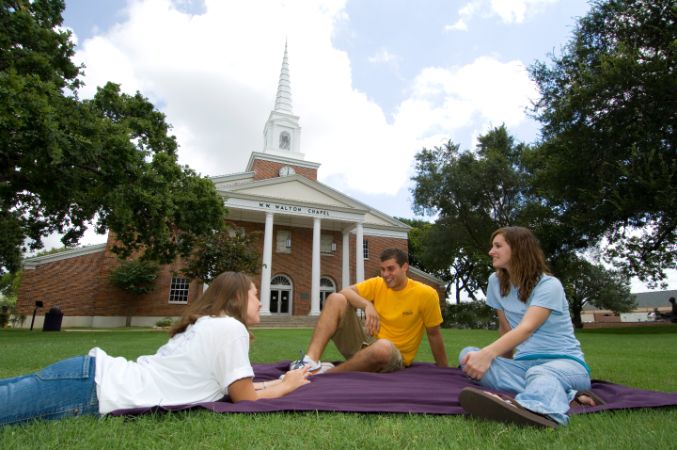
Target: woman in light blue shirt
(537, 357)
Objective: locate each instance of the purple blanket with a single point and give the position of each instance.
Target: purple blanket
(419, 389)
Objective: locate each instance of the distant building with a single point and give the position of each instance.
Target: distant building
(646, 303)
(315, 240)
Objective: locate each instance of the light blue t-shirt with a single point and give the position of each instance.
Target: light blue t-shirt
(555, 337)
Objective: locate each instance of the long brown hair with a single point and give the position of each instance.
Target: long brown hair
(228, 293)
(527, 262)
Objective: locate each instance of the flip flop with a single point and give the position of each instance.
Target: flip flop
(595, 398)
(485, 405)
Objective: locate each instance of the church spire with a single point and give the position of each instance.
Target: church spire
(283, 98)
(282, 133)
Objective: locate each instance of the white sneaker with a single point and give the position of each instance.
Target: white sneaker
(324, 366)
(305, 361)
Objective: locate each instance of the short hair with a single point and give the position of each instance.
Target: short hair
(395, 253)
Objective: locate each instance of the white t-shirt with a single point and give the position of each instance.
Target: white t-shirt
(192, 367)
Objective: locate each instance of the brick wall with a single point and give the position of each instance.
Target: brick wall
(268, 169)
(70, 284)
(80, 287)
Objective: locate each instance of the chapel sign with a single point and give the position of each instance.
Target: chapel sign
(304, 210)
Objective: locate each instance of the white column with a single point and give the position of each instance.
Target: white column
(359, 253)
(345, 263)
(315, 277)
(266, 268)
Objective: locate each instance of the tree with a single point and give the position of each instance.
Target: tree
(472, 194)
(588, 283)
(229, 249)
(135, 276)
(67, 163)
(608, 164)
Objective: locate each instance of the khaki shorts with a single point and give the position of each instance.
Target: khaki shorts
(351, 337)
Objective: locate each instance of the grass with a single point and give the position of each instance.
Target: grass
(641, 357)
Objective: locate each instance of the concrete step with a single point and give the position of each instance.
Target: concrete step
(286, 321)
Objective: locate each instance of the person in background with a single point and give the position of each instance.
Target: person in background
(205, 359)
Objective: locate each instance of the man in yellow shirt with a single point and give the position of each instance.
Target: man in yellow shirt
(397, 310)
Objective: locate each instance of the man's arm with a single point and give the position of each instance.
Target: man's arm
(372, 321)
(437, 346)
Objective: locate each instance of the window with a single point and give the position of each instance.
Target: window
(327, 286)
(178, 291)
(285, 140)
(365, 248)
(283, 241)
(327, 244)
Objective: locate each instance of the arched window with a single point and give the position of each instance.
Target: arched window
(327, 286)
(285, 140)
(281, 290)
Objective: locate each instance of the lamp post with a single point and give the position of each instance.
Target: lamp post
(38, 304)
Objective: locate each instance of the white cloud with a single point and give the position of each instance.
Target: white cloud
(509, 11)
(517, 11)
(484, 93)
(383, 56)
(214, 75)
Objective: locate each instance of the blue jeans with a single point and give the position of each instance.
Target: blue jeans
(545, 386)
(64, 389)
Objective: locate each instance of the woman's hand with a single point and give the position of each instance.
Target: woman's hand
(244, 389)
(296, 378)
(476, 364)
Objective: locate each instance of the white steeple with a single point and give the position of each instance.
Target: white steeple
(283, 98)
(282, 133)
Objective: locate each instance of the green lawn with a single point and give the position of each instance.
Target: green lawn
(640, 357)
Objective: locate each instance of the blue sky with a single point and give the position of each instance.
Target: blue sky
(373, 81)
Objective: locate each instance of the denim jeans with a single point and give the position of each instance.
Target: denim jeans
(545, 386)
(64, 389)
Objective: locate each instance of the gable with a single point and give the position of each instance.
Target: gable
(291, 189)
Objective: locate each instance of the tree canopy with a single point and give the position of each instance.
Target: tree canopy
(230, 249)
(66, 163)
(607, 164)
(472, 193)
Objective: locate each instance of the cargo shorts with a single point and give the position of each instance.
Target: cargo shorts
(351, 337)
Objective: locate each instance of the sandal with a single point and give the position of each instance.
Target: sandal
(576, 402)
(486, 405)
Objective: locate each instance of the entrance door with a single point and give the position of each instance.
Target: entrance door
(280, 295)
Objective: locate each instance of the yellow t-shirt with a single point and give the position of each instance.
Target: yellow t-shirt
(404, 314)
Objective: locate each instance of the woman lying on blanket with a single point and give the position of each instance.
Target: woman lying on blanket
(205, 359)
(547, 370)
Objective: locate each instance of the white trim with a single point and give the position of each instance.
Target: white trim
(389, 233)
(293, 208)
(324, 189)
(280, 159)
(226, 178)
(32, 263)
(427, 276)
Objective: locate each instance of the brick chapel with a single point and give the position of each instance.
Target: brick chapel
(314, 241)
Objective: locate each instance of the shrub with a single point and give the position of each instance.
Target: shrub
(135, 276)
(475, 314)
(164, 323)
